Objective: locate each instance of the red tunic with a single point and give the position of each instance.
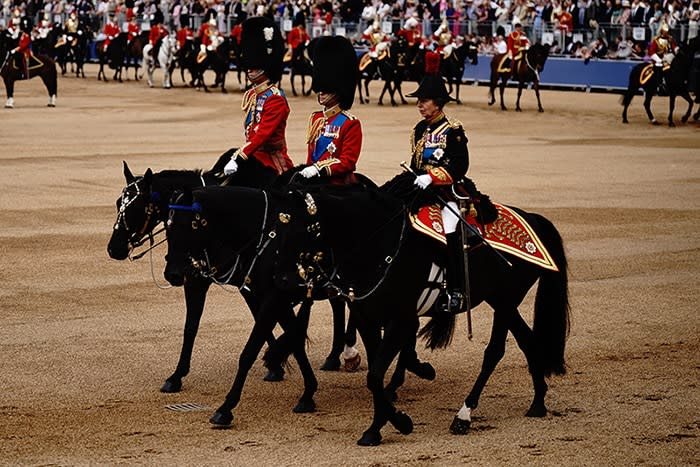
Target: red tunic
(133, 30)
(662, 47)
(183, 35)
(412, 36)
(236, 33)
(24, 44)
(111, 30)
(265, 121)
(297, 36)
(157, 33)
(341, 132)
(516, 43)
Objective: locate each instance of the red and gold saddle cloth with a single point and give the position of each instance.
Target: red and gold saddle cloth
(509, 233)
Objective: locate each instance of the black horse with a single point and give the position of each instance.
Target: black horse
(369, 253)
(452, 66)
(218, 60)
(234, 229)
(114, 56)
(134, 53)
(300, 65)
(39, 65)
(523, 71)
(649, 78)
(382, 67)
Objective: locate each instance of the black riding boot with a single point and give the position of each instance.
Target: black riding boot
(455, 275)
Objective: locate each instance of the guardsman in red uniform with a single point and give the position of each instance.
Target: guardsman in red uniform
(264, 106)
(133, 29)
(24, 48)
(334, 136)
(662, 48)
(517, 44)
(185, 33)
(14, 27)
(157, 32)
(298, 34)
(111, 31)
(440, 158)
(410, 32)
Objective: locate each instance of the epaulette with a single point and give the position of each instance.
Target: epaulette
(349, 115)
(454, 123)
(314, 128)
(275, 90)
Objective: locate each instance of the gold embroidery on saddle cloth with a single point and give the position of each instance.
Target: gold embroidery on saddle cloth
(646, 74)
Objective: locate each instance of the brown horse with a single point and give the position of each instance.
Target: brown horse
(524, 71)
(39, 65)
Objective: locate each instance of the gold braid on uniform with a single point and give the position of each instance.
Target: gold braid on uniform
(314, 128)
(418, 148)
(249, 99)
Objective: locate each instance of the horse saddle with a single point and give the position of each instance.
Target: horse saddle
(509, 233)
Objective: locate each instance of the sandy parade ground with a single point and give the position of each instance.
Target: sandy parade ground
(87, 341)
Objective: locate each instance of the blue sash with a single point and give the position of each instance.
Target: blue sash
(258, 107)
(325, 139)
(434, 141)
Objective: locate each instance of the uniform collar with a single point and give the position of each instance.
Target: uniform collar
(262, 87)
(332, 112)
(435, 119)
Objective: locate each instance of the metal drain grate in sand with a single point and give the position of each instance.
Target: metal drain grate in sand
(187, 407)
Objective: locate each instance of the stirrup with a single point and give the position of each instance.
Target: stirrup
(454, 303)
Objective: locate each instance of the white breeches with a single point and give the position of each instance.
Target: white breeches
(449, 218)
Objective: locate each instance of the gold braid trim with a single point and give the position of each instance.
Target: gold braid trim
(314, 128)
(248, 101)
(454, 123)
(418, 149)
(440, 175)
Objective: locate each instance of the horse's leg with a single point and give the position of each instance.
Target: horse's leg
(298, 327)
(384, 410)
(265, 321)
(492, 355)
(195, 296)
(291, 80)
(10, 90)
(408, 360)
(457, 91)
(521, 84)
(398, 88)
(332, 362)
(502, 88)
(671, 108)
(648, 95)
(367, 89)
(359, 91)
(492, 87)
(536, 85)
(50, 81)
(686, 96)
(524, 336)
(626, 100)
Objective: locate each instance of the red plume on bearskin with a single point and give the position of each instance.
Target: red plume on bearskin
(432, 63)
(335, 68)
(262, 47)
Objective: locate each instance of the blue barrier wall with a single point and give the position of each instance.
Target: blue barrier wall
(567, 72)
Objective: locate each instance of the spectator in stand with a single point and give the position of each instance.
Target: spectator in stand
(625, 16)
(637, 13)
(693, 14)
(604, 13)
(502, 14)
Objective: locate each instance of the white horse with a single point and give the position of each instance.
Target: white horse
(166, 53)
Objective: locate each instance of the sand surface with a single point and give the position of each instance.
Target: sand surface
(87, 341)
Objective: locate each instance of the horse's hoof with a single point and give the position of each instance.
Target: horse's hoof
(459, 426)
(370, 438)
(171, 386)
(274, 375)
(654, 122)
(402, 422)
(304, 406)
(331, 364)
(458, 102)
(423, 370)
(625, 120)
(8, 106)
(221, 420)
(518, 109)
(540, 110)
(684, 119)
(671, 124)
(536, 411)
(352, 364)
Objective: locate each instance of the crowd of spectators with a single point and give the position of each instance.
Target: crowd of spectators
(585, 28)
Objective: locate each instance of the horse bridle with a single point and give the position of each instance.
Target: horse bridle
(137, 238)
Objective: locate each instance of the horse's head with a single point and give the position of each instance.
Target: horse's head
(184, 219)
(537, 55)
(137, 214)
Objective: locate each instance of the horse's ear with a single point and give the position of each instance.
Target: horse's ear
(127, 173)
(148, 176)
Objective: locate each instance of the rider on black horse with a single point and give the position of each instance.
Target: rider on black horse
(440, 158)
(23, 51)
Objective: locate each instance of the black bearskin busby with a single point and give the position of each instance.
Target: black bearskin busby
(262, 47)
(335, 68)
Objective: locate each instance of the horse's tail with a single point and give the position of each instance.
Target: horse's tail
(438, 332)
(632, 87)
(551, 320)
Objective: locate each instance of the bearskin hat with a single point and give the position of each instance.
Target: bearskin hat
(299, 19)
(335, 68)
(25, 25)
(262, 47)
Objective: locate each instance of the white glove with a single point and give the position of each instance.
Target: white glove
(310, 171)
(13, 51)
(231, 167)
(422, 181)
